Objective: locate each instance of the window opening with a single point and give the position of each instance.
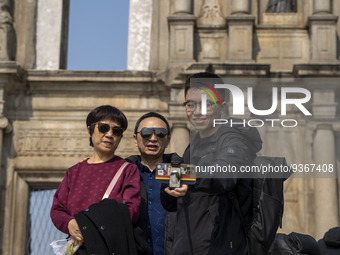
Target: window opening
(40, 229)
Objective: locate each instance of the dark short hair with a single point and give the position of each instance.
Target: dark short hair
(149, 115)
(105, 112)
(204, 75)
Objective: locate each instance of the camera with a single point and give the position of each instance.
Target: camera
(175, 174)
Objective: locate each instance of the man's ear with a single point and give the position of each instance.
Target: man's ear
(135, 139)
(88, 130)
(224, 109)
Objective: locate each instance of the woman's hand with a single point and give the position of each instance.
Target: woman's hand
(177, 192)
(75, 233)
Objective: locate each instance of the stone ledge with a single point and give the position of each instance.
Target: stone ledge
(91, 76)
(323, 18)
(182, 18)
(319, 70)
(11, 67)
(232, 69)
(240, 18)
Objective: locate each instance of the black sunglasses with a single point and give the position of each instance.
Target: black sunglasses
(104, 128)
(146, 133)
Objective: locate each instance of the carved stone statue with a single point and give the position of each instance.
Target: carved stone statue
(281, 6)
(6, 31)
(211, 14)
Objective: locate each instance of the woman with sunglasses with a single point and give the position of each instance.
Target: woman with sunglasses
(86, 182)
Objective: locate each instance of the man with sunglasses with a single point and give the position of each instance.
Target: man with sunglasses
(207, 222)
(152, 136)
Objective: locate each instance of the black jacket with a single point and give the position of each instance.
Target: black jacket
(143, 211)
(207, 223)
(107, 229)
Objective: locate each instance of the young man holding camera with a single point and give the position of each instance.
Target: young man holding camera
(207, 222)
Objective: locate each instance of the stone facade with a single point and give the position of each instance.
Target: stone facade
(43, 108)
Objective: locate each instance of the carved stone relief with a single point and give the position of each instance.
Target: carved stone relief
(51, 142)
(62, 143)
(211, 14)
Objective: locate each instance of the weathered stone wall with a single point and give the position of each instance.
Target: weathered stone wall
(47, 112)
(42, 113)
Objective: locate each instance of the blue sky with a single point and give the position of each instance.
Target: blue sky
(98, 34)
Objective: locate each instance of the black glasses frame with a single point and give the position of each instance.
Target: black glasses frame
(146, 132)
(191, 106)
(104, 128)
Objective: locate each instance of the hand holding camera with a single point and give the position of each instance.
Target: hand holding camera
(177, 175)
(177, 192)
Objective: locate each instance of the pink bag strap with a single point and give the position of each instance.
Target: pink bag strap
(114, 180)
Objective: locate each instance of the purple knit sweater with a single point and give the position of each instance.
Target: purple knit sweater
(85, 184)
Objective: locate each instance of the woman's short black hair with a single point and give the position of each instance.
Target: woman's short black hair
(204, 75)
(105, 112)
(149, 115)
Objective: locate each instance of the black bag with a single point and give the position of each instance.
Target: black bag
(294, 244)
(268, 204)
(330, 243)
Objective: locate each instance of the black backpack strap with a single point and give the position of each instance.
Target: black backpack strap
(233, 199)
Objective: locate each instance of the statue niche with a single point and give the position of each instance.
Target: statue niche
(275, 6)
(211, 15)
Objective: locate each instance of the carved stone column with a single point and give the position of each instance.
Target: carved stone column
(178, 121)
(322, 28)
(181, 136)
(182, 6)
(240, 27)
(240, 7)
(181, 25)
(325, 194)
(323, 6)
